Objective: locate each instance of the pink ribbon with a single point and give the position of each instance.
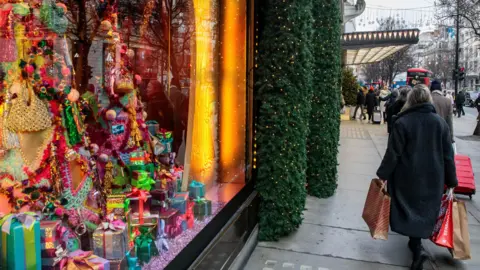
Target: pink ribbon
(112, 224)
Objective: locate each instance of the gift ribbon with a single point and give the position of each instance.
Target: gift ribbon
(142, 198)
(81, 262)
(27, 220)
(162, 242)
(145, 182)
(112, 224)
(165, 133)
(61, 257)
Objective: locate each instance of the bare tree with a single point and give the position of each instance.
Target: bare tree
(442, 65)
(468, 10)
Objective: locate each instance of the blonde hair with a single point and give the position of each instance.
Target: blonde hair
(418, 95)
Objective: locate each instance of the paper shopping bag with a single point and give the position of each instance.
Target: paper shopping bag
(376, 211)
(461, 235)
(443, 231)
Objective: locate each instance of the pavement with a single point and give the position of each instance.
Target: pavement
(334, 236)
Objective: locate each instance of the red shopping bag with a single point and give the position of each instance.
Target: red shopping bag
(443, 230)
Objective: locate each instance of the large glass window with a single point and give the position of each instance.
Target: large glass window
(116, 102)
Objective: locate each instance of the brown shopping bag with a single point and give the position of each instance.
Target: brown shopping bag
(376, 211)
(461, 235)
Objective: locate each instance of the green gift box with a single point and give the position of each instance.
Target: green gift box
(166, 138)
(145, 247)
(20, 238)
(202, 207)
(137, 158)
(142, 180)
(147, 167)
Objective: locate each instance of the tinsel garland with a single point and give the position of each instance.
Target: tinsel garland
(54, 17)
(74, 135)
(325, 116)
(284, 77)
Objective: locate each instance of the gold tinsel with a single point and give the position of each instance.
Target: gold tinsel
(108, 178)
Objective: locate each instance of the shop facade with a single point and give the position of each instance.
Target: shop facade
(140, 112)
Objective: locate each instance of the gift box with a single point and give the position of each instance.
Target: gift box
(159, 194)
(158, 206)
(110, 239)
(174, 229)
(138, 158)
(177, 172)
(202, 207)
(78, 259)
(150, 220)
(196, 189)
(57, 262)
(145, 247)
(140, 201)
(121, 178)
(21, 247)
(166, 139)
(119, 264)
(153, 127)
(142, 180)
(179, 202)
(117, 205)
(149, 167)
(49, 239)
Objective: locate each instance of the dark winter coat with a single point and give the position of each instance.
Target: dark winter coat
(393, 110)
(371, 101)
(460, 99)
(418, 162)
(360, 98)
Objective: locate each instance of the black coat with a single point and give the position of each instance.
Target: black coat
(418, 162)
(371, 101)
(393, 110)
(360, 98)
(460, 99)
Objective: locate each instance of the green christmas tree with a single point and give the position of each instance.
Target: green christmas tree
(325, 114)
(349, 86)
(284, 77)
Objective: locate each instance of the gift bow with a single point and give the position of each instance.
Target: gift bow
(166, 174)
(164, 133)
(162, 242)
(199, 200)
(112, 224)
(144, 239)
(80, 261)
(145, 183)
(61, 256)
(139, 193)
(196, 184)
(27, 219)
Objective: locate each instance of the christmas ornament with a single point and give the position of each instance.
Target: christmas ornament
(111, 115)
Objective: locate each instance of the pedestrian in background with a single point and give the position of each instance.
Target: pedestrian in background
(384, 96)
(397, 106)
(443, 105)
(360, 103)
(460, 102)
(477, 104)
(371, 102)
(418, 163)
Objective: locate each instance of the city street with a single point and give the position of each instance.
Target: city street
(334, 236)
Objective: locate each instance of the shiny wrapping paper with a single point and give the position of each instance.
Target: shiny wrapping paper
(196, 189)
(150, 220)
(111, 245)
(149, 167)
(83, 260)
(202, 207)
(140, 208)
(159, 194)
(21, 249)
(158, 206)
(179, 202)
(118, 205)
(137, 158)
(49, 238)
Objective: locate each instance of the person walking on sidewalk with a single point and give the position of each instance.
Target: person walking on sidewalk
(477, 105)
(443, 105)
(397, 106)
(371, 102)
(384, 96)
(460, 102)
(418, 163)
(360, 103)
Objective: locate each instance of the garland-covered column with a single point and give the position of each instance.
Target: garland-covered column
(284, 77)
(325, 115)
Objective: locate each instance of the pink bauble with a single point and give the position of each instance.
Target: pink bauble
(94, 147)
(65, 71)
(111, 115)
(145, 115)
(103, 157)
(130, 53)
(138, 78)
(74, 95)
(29, 69)
(144, 125)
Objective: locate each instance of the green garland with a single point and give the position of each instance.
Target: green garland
(284, 77)
(325, 116)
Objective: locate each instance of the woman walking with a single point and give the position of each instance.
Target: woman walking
(418, 163)
(371, 102)
(397, 106)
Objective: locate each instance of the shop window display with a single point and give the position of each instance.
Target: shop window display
(123, 128)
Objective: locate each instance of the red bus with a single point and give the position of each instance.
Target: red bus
(419, 76)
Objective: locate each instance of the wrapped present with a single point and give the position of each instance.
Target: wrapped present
(161, 242)
(179, 202)
(85, 260)
(138, 158)
(50, 237)
(174, 229)
(150, 220)
(118, 205)
(145, 248)
(172, 188)
(153, 127)
(140, 201)
(189, 217)
(177, 172)
(132, 261)
(159, 194)
(149, 167)
(158, 206)
(196, 189)
(142, 180)
(57, 262)
(121, 178)
(20, 238)
(166, 138)
(202, 207)
(118, 264)
(110, 239)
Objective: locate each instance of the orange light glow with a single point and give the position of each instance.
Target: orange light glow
(233, 88)
(202, 162)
